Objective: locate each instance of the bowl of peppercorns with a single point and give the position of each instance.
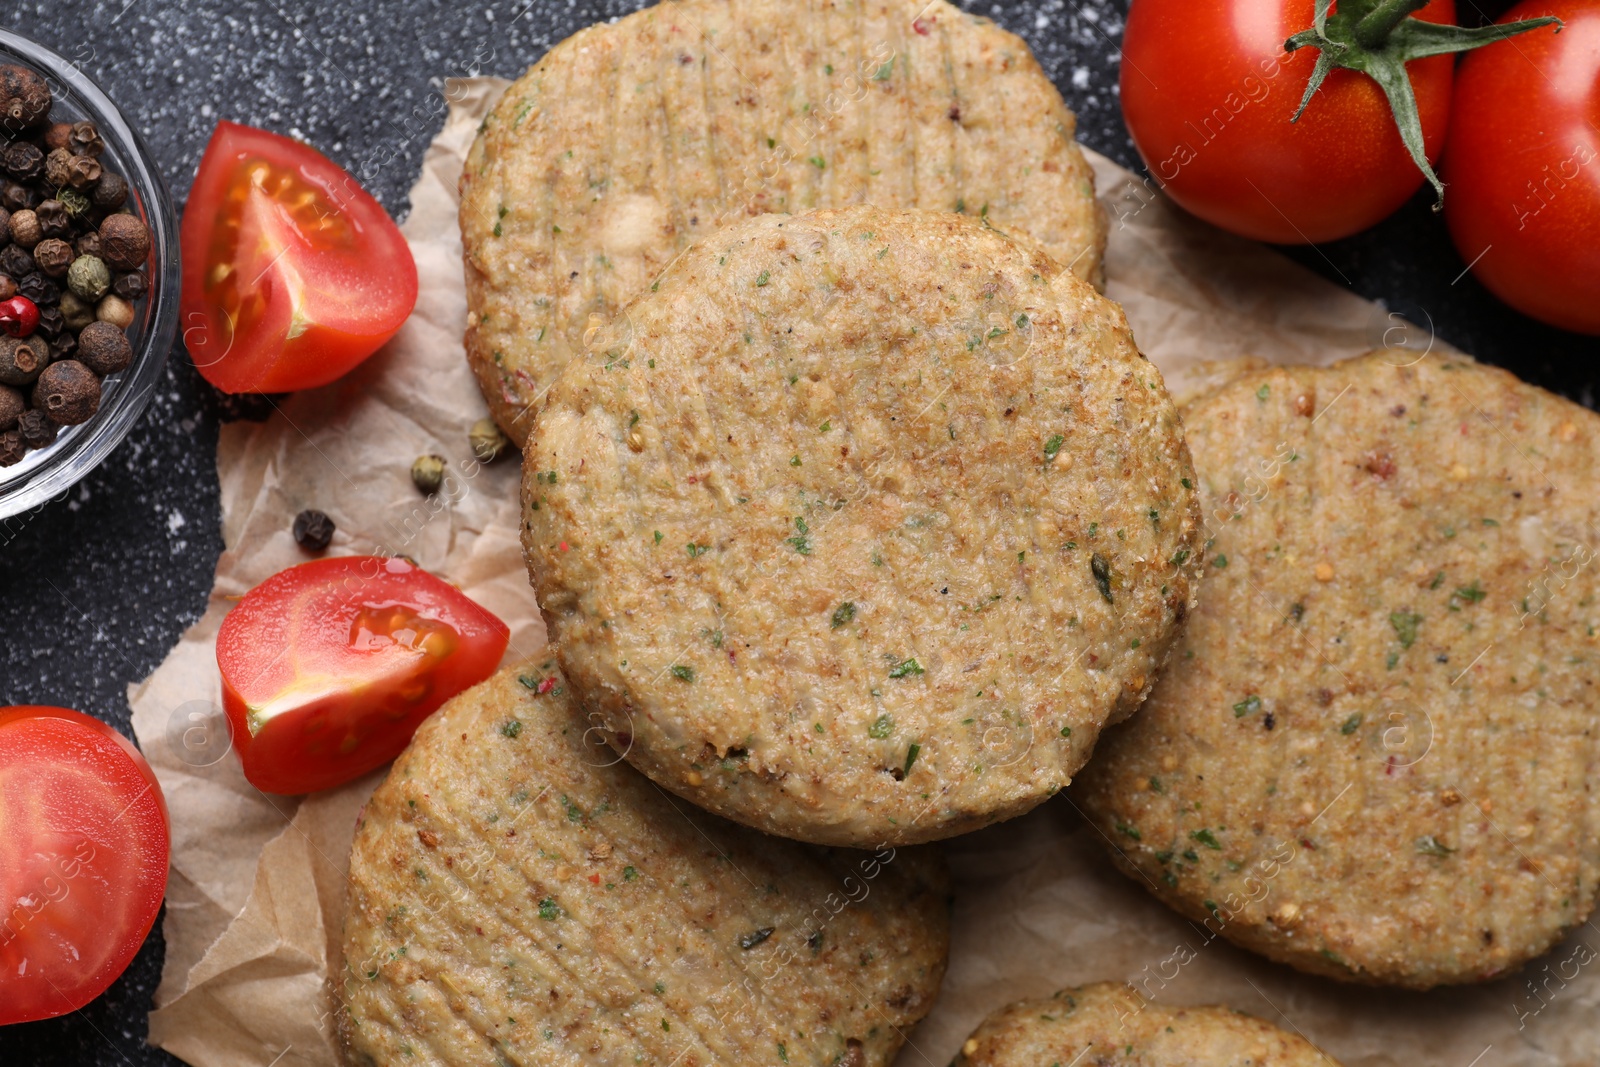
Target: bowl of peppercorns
(88, 275)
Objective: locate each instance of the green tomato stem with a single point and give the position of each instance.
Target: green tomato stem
(1373, 30)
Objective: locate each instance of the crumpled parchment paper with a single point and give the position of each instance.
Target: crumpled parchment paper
(257, 890)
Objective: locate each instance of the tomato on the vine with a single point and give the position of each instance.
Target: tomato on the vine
(1208, 92)
(84, 866)
(1523, 167)
(329, 667)
(292, 273)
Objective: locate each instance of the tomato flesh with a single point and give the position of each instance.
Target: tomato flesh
(1523, 166)
(329, 667)
(84, 866)
(1208, 91)
(292, 273)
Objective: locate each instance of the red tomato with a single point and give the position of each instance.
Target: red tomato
(1523, 169)
(84, 862)
(1208, 91)
(292, 274)
(329, 667)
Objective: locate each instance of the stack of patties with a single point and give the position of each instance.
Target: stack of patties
(853, 526)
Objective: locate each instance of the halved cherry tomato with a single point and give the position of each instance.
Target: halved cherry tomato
(1523, 166)
(83, 864)
(1208, 91)
(292, 273)
(329, 667)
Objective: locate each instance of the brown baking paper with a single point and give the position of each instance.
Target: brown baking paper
(257, 890)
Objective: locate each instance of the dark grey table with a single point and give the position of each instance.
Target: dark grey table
(96, 589)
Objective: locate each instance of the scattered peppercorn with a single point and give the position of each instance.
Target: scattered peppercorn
(487, 440)
(39, 289)
(125, 241)
(8, 288)
(111, 192)
(75, 311)
(88, 244)
(64, 347)
(68, 392)
(57, 166)
(15, 262)
(23, 161)
(15, 196)
(59, 135)
(104, 348)
(76, 204)
(83, 171)
(51, 323)
(313, 530)
(427, 473)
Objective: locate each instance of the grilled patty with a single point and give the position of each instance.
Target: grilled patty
(632, 139)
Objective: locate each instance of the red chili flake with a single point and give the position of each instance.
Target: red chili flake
(546, 685)
(1305, 842)
(565, 547)
(1380, 464)
(594, 879)
(921, 25)
(1388, 768)
(693, 479)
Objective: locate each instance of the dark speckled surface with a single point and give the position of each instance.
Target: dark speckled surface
(94, 589)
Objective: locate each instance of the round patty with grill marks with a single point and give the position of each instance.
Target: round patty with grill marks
(520, 895)
(632, 139)
(861, 525)
(1373, 756)
(1111, 1025)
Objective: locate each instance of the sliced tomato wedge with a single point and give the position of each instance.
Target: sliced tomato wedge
(329, 667)
(83, 867)
(292, 273)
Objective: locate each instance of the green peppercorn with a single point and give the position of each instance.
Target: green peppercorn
(89, 278)
(76, 203)
(487, 440)
(427, 473)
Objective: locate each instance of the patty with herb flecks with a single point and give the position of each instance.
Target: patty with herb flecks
(633, 139)
(519, 895)
(860, 525)
(1111, 1024)
(1373, 756)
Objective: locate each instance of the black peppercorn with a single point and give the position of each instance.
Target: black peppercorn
(16, 261)
(64, 347)
(104, 348)
(12, 404)
(68, 392)
(85, 139)
(88, 244)
(125, 242)
(8, 288)
(51, 322)
(130, 286)
(54, 219)
(24, 98)
(57, 166)
(83, 171)
(110, 193)
(12, 448)
(36, 428)
(21, 359)
(23, 161)
(15, 196)
(313, 530)
(39, 289)
(54, 256)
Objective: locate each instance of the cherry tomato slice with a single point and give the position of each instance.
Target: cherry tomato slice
(292, 273)
(329, 667)
(1208, 90)
(1523, 166)
(83, 867)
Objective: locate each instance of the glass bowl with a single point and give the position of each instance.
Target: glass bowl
(47, 473)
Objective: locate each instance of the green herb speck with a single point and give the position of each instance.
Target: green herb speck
(682, 673)
(908, 667)
(843, 614)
